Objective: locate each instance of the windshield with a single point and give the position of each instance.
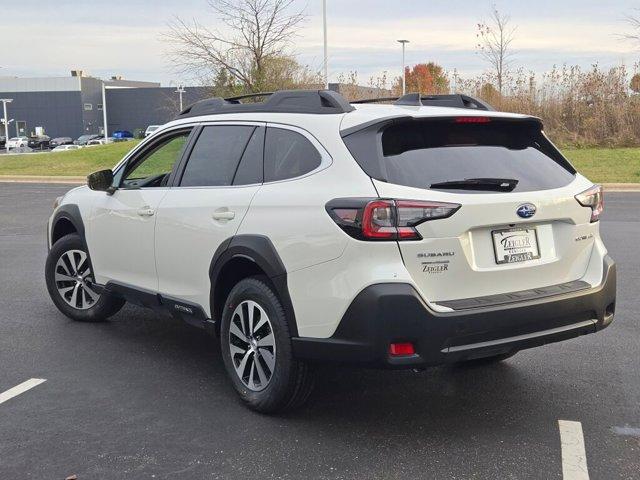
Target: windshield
(430, 153)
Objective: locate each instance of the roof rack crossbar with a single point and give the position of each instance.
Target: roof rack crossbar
(376, 100)
(284, 101)
(455, 101)
(418, 100)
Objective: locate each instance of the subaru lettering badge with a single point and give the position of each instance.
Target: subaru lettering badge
(527, 210)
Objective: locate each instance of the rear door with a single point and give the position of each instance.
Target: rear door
(518, 224)
(215, 187)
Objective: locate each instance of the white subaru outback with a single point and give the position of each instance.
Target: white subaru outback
(305, 229)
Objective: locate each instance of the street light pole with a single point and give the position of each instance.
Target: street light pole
(326, 45)
(180, 91)
(6, 121)
(404, 73)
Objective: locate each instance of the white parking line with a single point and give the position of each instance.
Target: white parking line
(18, 389)
(574, 458)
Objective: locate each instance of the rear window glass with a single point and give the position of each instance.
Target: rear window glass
(424, 153)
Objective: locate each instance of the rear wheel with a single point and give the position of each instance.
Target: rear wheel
(71, 284)
(256, 348)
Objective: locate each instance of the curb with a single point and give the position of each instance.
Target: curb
(77, 180)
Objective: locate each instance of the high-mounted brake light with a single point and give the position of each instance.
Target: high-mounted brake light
(593, 198)
(472, 120)
(386, 219)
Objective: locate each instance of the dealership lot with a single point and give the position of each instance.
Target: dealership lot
(145, 396)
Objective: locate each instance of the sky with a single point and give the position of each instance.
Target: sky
(123, 36)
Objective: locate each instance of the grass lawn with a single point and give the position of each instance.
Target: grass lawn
(72, 163)
(604, 165)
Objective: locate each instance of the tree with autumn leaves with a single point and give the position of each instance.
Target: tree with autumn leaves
(426, 78)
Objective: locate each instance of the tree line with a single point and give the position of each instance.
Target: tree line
(252, 51)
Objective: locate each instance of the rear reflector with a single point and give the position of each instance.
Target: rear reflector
(401, 349)
(473, 120)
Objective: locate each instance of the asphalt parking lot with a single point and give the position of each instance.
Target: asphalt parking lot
(145, 396)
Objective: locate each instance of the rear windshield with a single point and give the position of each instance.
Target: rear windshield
(422, 153)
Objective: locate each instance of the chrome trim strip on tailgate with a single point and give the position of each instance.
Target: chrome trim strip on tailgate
(522, 296)
(518, 338)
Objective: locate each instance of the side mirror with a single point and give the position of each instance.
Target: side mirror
(101, 181)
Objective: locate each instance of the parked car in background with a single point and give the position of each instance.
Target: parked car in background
(150, 129)
(122, 134)
(40, 142)
(3, 141)
(83, 139)
(64, 148)
(99, 141)
(17, 142)
(56, 142)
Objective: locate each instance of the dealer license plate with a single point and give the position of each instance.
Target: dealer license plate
(515, 245)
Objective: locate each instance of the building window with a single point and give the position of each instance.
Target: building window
(100, 106)
(88, 106)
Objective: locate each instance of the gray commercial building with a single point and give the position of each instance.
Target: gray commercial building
(73, 106)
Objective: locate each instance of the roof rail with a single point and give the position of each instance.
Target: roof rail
(417, 100)
(455, 101)
(284, 101)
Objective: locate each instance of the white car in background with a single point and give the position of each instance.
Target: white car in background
(64, 148)
(99, 141)
(150, 129)
(17, 142)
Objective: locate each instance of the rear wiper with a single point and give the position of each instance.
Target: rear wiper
(484, 184)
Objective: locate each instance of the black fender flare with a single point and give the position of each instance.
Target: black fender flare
(260, 250)
(71, 213)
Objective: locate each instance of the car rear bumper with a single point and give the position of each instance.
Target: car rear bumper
(395, 313)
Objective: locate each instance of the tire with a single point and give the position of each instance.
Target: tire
(70, 279)
(485, 361)
(262, 350)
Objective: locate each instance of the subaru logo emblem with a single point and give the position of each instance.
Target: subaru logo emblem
(527, 210)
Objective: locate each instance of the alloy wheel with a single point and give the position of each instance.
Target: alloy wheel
(252, 345)
(74, 280)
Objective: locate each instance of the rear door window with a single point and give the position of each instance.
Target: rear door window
(216, 155)
(288, 154)
(424, 153)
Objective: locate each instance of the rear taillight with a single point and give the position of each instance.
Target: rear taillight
(593, 198)
(385, 219)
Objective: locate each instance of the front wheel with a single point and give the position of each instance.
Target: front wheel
(71, 285)
(256, 347)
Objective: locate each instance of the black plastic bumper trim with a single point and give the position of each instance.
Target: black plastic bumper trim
(519, 338)
(395, 312)
(514, 297)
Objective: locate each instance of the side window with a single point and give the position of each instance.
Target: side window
(153, 167)
(215, 157)
(250, 169)
(288, 154)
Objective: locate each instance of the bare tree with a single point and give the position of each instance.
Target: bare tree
(258, 31)
(633, 20)
(495, 37)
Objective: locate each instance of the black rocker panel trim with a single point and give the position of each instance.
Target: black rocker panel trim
(260, 250)
(189, 312)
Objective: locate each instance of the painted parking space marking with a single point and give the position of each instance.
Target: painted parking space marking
(18, 389)
(574, 457)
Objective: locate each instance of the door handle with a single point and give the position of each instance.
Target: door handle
(224, 215)
(146, 212)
